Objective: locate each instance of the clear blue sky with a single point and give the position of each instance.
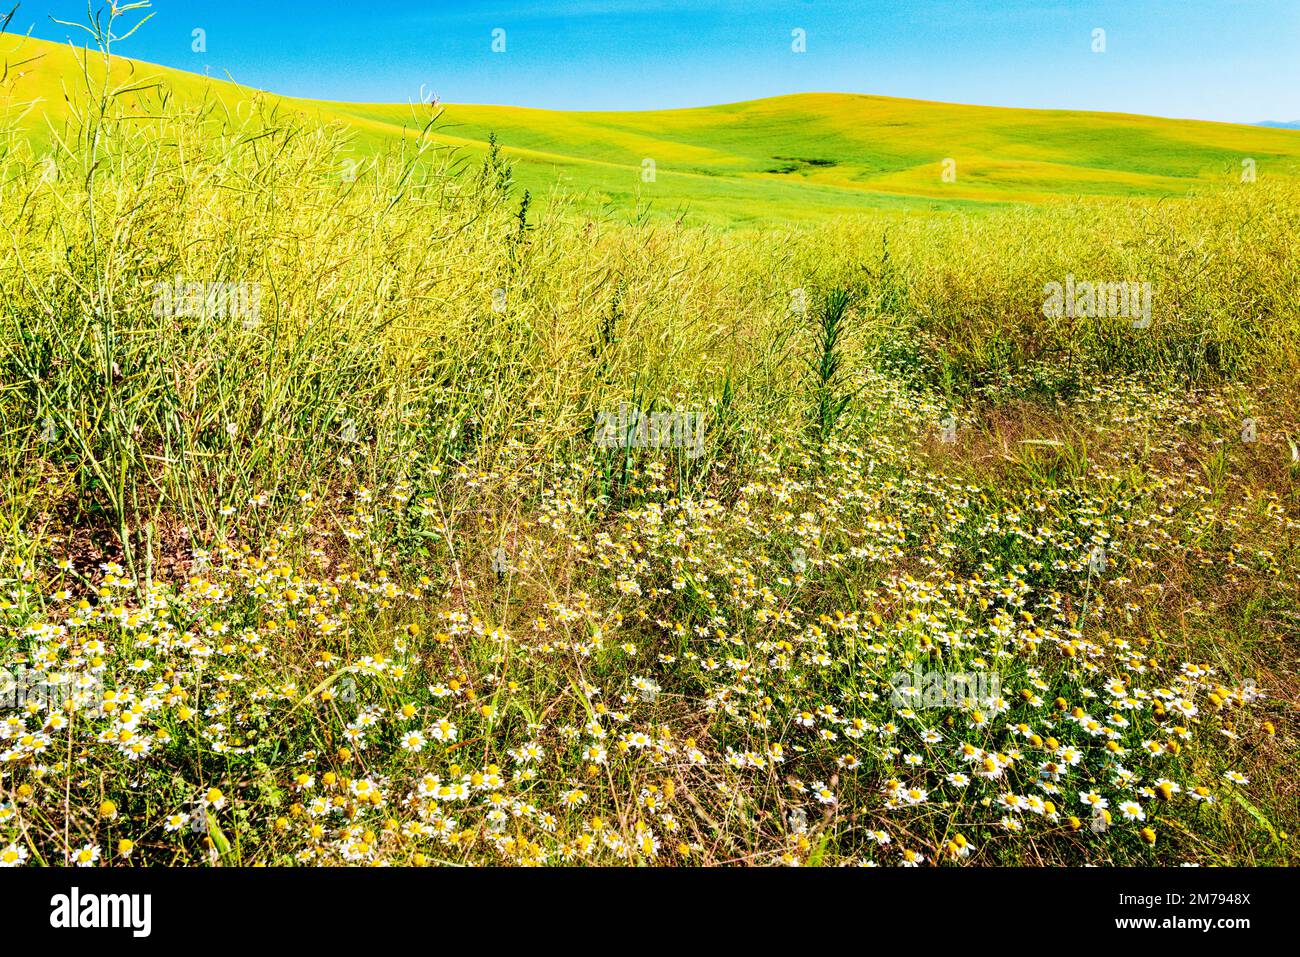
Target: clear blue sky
(1236, 60)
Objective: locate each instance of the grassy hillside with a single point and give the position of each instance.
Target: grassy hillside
(791, 157)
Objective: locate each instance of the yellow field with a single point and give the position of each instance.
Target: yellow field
(794, 157)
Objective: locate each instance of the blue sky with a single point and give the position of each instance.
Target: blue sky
(1236, 60)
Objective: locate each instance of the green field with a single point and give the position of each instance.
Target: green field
(792, 158)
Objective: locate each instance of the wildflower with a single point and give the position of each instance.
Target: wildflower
(86, 856)
(443, 730)
(13, 855)
(1132, 811)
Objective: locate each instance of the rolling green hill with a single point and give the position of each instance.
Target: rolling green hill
(790, 157)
